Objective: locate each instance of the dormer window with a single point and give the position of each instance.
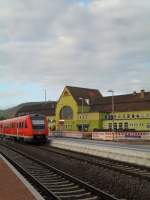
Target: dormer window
(87, 101)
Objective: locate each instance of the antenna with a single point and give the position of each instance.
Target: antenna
(45, 95)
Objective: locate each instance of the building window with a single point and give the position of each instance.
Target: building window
(115, 126)
(126, 125)
(124, 116)
(148, 125)
(110, 125)
(120, 126)
(110, 117)
(128, 115)
(132, 115)
(66, 113)
(137, 115)
(119, 116)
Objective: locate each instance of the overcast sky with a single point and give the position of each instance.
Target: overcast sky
(101, 44)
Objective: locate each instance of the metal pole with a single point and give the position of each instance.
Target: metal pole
(45, 95)
(80, 98)
(82, 114)
(62, 116)
(112, 112)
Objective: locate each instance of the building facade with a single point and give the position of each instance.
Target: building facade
(86, 109)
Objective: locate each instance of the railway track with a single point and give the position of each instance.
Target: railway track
(49, 181)
(125, 168)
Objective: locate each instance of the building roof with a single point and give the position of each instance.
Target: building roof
(45, 108)
(122, 103)
(90, 96)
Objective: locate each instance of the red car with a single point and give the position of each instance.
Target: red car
(25, 128)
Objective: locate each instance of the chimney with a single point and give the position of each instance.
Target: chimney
(134, 93)
(142, 94)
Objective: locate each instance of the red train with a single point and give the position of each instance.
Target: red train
(32, 128)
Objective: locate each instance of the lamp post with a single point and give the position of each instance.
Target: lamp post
(112, 92)
(61, 117)
(82, 99)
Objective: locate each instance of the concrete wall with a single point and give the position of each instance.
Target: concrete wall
(122, 154)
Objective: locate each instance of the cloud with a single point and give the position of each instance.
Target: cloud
(135, 81)
(99, 44)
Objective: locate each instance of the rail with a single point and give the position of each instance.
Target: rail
(123, 167)
(51, 182)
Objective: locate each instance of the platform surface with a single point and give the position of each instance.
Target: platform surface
(132, 153)
(126, 145)
(11, 187)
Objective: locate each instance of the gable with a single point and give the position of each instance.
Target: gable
(90, 96)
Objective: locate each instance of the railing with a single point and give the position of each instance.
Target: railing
(105, 135)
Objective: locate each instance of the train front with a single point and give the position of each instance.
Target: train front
(39, 128)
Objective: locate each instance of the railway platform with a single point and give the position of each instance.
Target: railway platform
(135, 154)
(13, 186)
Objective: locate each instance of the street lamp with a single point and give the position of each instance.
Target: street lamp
(112, 92)
(61, 116)
(82, 99)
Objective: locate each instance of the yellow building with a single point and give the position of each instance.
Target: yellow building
(74, 107)
(86, 109)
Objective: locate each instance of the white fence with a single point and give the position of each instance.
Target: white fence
(103, 135)
(120, 135)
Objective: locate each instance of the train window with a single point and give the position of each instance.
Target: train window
(38, 122)
(38, 126)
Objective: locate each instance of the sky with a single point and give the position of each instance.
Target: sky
(48, 44)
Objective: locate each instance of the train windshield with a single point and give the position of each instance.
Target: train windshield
(38, 122)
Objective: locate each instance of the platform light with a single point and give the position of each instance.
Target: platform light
(82, 99)
(112, 92)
